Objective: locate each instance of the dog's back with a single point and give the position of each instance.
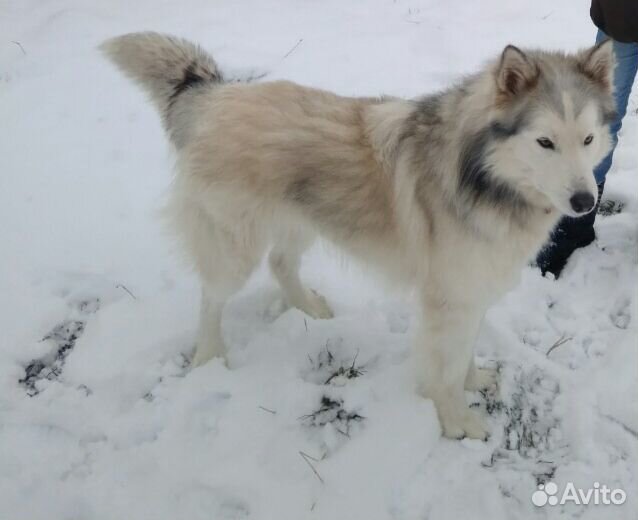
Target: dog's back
(273, 145)
(293, 147)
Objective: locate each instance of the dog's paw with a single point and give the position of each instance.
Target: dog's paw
(203, 356)
(469, 425)
(200, 359)
(316, 306)
(481, 379)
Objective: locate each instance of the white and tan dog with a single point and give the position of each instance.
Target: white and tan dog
(451, 193)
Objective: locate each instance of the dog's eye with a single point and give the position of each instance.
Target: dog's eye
(588, 139)
(545, 142)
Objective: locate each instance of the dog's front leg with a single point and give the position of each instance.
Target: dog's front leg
(444, 352)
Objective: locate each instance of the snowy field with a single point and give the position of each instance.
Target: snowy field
(101, 416)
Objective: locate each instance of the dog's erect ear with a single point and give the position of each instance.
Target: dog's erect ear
(598, 64)
(516, 73)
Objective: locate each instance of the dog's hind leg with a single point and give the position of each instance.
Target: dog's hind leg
(224, 257)
(226, 273)
(285, 261)
(210, 342)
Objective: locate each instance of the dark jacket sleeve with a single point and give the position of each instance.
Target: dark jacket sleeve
(617, 18)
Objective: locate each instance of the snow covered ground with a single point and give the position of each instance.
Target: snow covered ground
(100, 416)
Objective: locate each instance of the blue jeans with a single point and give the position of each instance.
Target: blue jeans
(624, 75)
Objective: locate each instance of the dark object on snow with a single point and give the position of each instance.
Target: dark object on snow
(616, 18)
(569, 235)
(531, 439)
(62, 338)
(610, 207)
(49, 367)
(331, 369)
(332, 411)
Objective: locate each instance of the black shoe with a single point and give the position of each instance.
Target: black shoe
(569, 235)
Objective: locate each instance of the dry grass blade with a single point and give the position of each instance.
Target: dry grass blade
(122, 286)
(21, 47)
(308, 458)
(560, 341)
(293, 49)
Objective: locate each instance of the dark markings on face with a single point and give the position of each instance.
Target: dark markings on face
(512, 121)
(502, 130)
(478, 185)
(505, 128)
(550, 94)
(585, 95)
(580, 89)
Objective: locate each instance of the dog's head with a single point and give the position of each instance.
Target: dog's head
(551, 124)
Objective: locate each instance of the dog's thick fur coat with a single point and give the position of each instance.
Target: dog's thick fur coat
(451, 193)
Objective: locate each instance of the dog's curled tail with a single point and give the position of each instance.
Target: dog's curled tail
(164, 65)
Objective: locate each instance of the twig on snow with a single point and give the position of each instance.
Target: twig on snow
(629, 430)
(293, 49)
(560, 341)
(308, 458)
(122, 286)
(21, 47)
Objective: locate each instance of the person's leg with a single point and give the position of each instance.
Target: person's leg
(624, 75)
(572, 233)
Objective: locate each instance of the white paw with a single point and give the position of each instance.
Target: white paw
(203, 356)
(481, 379)
(468, 424)
(198, 360)
(316, 306)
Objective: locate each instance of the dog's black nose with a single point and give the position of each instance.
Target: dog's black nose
(582, 202)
